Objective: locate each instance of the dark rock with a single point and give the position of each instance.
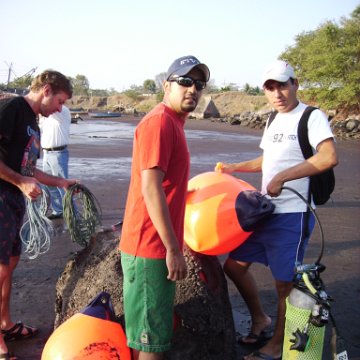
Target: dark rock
(343, 129)
(202, 306)
(352, 125)
(234, 121)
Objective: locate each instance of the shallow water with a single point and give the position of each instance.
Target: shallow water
(103, 133)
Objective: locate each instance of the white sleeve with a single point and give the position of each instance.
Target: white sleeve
(318, 128)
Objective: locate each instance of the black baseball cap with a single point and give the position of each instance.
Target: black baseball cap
(182, 66)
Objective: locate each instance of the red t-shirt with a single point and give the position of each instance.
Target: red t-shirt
(159, 141)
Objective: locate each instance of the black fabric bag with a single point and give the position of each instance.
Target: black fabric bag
(251, 208)
(321, 185)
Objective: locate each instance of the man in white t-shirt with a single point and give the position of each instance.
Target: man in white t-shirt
(279, 242)
(55, 135)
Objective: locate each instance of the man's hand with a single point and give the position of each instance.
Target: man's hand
(176, 265)
(30, 187)
(224, 168)
(66, 183)
(274, 187)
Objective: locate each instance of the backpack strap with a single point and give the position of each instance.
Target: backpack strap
(271, 118)
(303, 136)
(307, 152)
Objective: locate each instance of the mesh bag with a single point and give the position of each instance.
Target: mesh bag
(297, 318)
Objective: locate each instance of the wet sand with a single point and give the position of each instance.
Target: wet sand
(33, 294)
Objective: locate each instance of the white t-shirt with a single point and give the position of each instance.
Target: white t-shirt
(282, 151)
(55, 129)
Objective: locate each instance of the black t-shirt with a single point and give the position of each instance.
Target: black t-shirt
(20, 137)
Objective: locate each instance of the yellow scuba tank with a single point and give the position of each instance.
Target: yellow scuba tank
(307, 311)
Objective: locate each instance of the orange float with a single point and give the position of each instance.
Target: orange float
(211, 221)
(91, 334)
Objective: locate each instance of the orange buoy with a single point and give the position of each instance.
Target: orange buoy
(211, 222)
(90, 334)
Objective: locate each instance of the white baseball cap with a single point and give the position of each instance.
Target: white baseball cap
(279, 71)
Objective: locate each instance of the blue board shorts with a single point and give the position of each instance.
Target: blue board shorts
(148, 303)
(12, 210)
(279, 242)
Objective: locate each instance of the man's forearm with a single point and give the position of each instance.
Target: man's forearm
(9, 175)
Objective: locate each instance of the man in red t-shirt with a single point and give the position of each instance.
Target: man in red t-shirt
(152, 235)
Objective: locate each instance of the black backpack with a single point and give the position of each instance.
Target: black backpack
(321, 185)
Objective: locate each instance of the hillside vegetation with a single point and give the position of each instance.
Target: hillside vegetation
(228, 103)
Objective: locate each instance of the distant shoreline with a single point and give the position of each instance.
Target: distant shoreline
(190, 124)
(209, 124)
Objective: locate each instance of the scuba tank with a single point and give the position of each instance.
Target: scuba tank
(308, 310)
(307, 313)
(301, 300)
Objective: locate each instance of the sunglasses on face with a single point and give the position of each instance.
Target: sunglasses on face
(187, 81)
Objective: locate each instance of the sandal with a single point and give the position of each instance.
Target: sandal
(8, 356)
(259, 340)
(16, 332)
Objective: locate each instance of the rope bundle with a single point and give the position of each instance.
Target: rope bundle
(37, 231)
(82, 213)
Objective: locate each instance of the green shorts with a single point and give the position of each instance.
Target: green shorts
(148, 303)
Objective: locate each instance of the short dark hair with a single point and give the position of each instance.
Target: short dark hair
(55, 79)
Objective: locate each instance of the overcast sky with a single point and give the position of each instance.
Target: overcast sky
(117, 43)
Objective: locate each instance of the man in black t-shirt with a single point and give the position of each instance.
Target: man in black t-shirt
(19, 177)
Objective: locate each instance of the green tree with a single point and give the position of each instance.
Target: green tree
(21, 83)
(134, 92)
(247, 88)
(229, 87)
(149, 86)
(112, 91)
(327, 62)
(98, 92)
(252, 90)
(80, 85)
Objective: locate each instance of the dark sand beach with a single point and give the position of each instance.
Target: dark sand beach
(35, 280)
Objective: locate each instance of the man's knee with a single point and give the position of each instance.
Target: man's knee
(5, 272)
(232, 266)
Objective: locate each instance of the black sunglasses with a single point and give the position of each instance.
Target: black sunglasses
(187, 81)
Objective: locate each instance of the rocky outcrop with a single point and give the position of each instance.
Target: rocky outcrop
(348, 128)
(204, 323)
(234, 107)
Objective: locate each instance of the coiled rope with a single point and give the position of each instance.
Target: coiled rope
(82, 213)
(37, 231)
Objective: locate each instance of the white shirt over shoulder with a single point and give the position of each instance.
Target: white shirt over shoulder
(281, 150)
(55, 129)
